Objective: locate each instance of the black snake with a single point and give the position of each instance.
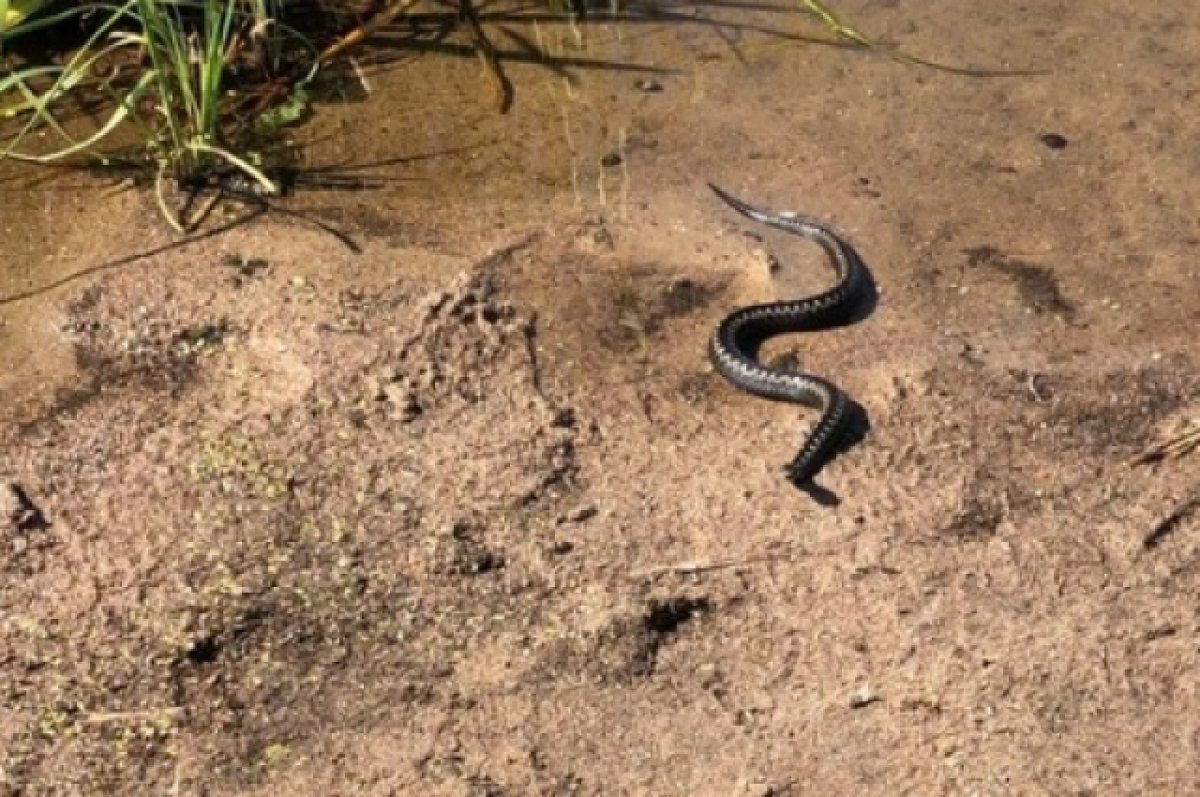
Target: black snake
(734, 345)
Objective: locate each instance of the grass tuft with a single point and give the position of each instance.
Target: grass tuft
(164, 67)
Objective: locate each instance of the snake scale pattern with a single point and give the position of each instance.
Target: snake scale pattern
(734, 345)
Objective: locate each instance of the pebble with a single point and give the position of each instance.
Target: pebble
(863, 697)
(581, 513)
(1053, 140)
(405, 401)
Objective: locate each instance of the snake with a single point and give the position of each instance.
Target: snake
(734, 344)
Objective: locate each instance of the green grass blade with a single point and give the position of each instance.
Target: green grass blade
(835, 23)
(40, 104)
(849, 34)
(118, 115)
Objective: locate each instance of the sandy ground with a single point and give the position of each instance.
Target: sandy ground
(468, 513)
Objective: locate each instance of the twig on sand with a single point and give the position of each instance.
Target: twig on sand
(363, 31)
(500, 88)
(697, 567)
(1182, 442)
(101, 717)
(18, 510)
(1165, 526)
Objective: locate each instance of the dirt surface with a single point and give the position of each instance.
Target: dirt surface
(467, 512)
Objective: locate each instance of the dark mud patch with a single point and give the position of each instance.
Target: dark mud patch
(624, 649)
(697, 389)
(1108, 414)
(1118, 417)
(643, 299)
(1036, 284)
(159, 356)
(985, 502)
(1020, 453)
(665, 617)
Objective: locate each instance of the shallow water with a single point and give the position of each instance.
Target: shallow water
(907, 158)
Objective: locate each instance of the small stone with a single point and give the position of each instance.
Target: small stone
(564, 419)
(755, 788)
(649, 86)
(485, 562)
(863, 697)
(581, 513)
(404, 400)
(1054, 140)
(611, 159)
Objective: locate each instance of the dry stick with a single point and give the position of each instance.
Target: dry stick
(356, 36)
(133, 716)
(695, 568)
(501, 88)
(1177, 446)
(1168, 524)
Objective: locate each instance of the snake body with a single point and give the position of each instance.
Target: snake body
(733, 346)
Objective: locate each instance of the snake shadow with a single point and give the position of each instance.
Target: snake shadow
(857, 422)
